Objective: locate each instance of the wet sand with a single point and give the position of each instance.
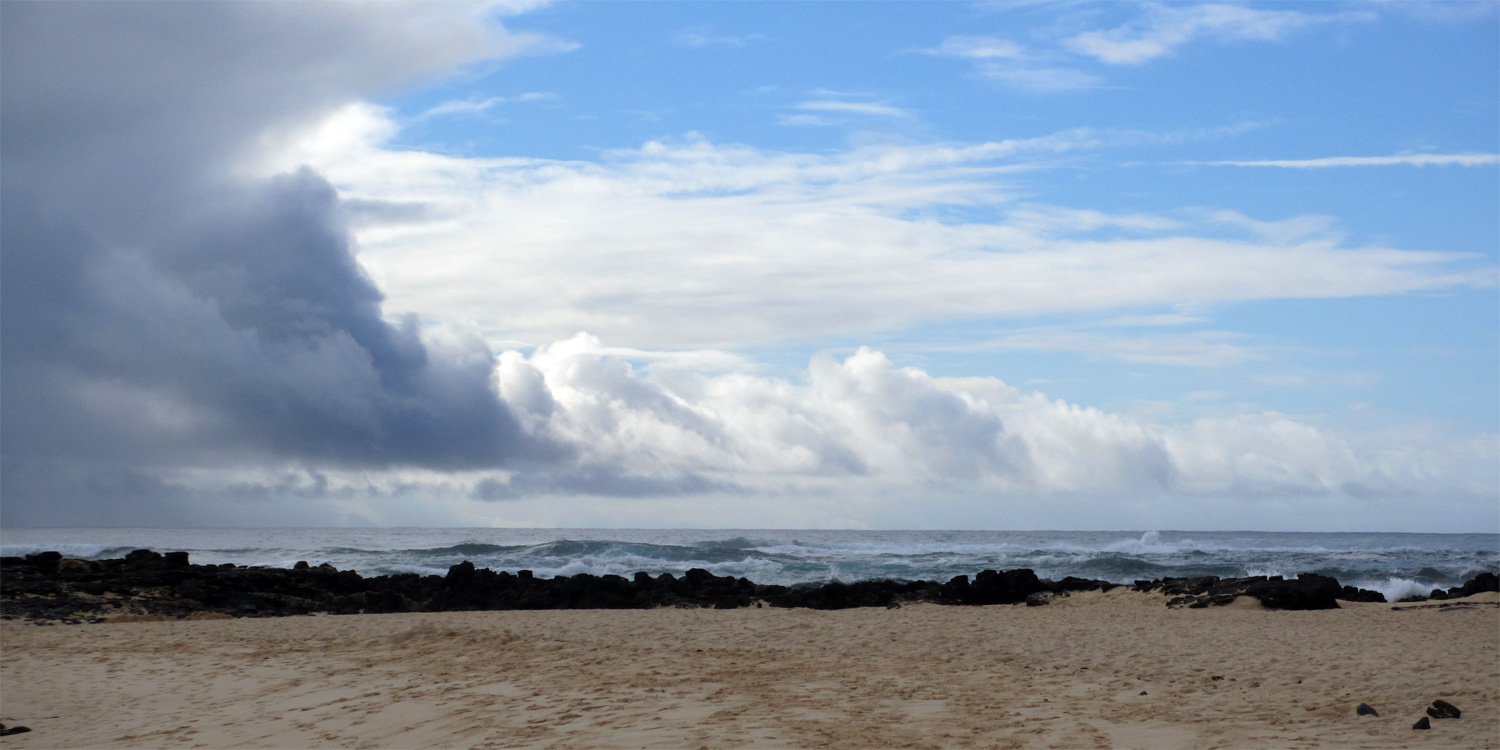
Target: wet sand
(1094, 670)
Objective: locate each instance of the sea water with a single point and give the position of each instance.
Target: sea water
(1397, 565)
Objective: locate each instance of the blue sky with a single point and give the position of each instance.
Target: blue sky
(936, 265)
(1312, 81)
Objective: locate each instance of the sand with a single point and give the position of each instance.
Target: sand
(1095, 670)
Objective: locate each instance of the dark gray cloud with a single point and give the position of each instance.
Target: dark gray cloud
(599, 481)
(160, 313)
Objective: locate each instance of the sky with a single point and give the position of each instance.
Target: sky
(994, 265)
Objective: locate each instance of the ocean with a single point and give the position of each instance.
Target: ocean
(1397, 565)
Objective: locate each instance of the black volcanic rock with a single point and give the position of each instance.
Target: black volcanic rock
(1072, 583)
(955, 591)
(143, 556)
(47, 562)
(460, 574)
(46, 586)
(1477, 585)
(1007, 587)
(1364, 709)
(1422, 723)
(1351, 594)
(1307, 591)
(1441, 709)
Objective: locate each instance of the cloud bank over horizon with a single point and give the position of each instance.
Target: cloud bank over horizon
(230, 297)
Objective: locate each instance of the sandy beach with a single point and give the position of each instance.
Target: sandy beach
(1094, 670)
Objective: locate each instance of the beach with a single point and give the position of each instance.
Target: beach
(1116, 669)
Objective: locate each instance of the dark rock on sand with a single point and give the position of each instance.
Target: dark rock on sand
(1441, 709)
(1476, 585)
(1004, 587)
(1307, 591)
(7, 731)
(1422, 723)
(1364, 709)
(1072, 583)
(1351, 594)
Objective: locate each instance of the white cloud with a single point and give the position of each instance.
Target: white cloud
(693, 244)
(1151, 321)
(475, 104)
(1283, 231)
(1007, 62)
(978, 47)
(806, 121)
(1324, 379)
(860, 442)
(1055, 219)
(1041, 80)
(702, 36)
(857, 108)
(1197, 349)
(471, 105)
(1409, 160)
(1164, 28)
(864, 417)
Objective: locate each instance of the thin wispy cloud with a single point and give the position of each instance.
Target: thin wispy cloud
(1041, 80)
(978, 47)
(1154, 321)
(703, 36)
(476, 105)
(806, 121)
(1403, 160)
(1009, 63)
(1162, 29)
(856, 108)
(819, 244)
(1196, 349)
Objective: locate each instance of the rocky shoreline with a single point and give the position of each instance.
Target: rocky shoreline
(49, 588)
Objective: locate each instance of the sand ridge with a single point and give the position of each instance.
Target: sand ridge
(1092, 670)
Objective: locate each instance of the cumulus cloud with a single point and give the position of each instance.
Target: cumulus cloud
(865, 419)
(857, 440)
(859, 417)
